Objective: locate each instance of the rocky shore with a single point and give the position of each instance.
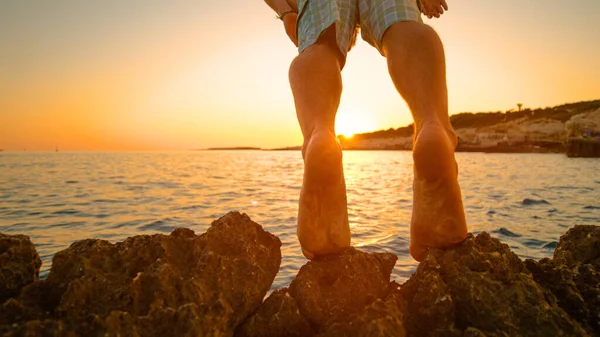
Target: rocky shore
(215, 284)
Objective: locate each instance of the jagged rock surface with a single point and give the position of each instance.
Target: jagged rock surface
(481, 288)
(346, 294)
(19, 264)
(157, 285)
(213, 284)
(573, 275)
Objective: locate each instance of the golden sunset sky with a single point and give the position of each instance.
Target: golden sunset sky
(177, 75)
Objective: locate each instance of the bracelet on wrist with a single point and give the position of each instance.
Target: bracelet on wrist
(282, 15)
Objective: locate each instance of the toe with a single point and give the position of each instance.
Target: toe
(418, 251)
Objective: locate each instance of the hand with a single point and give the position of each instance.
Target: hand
(433, 8)
(289, 22)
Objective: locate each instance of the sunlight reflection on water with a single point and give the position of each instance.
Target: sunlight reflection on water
(526, 200)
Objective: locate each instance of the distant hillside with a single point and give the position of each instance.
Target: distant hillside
(514, 131)
(560, 113)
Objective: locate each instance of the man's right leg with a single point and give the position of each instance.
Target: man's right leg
(315, 78)
(416, 62)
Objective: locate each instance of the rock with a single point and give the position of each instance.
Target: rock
(384, 317)
(45, 328)
(19, 265)
(573, 275)
(333, 287)
(214, 285)
(580, 245)
(279, 315)
(156, 285)
(350, 293)
(481, 288)
(586, 148)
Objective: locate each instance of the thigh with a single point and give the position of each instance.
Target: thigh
(316, 16)
(376, 16)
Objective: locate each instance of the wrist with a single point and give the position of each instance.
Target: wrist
(283, 15)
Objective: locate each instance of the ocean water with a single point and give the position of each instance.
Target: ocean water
(526, 200)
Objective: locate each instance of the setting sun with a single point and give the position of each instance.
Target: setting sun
(349, 123)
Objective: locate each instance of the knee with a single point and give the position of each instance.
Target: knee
(410, 36)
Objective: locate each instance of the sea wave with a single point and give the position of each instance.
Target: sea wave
(156, 192)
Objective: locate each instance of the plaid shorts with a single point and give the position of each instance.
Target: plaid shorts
(373, 17)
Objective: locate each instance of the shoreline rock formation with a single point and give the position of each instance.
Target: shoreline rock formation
(542, 130)
(215, 284)
(150, 285)
(583, 148)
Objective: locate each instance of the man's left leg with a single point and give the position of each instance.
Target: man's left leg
(416, 63)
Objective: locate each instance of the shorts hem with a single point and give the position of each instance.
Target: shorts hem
(315, 37)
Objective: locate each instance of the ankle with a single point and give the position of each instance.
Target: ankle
(436, 124)
(320, 134)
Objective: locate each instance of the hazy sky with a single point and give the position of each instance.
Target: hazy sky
(159, 75)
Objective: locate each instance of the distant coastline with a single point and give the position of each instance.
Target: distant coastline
(289, 148)
(236, 148)
(249, 148)
(541, 130)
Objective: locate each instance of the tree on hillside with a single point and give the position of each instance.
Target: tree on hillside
(520, 105)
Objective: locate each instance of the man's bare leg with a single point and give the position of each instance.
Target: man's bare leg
(416, 63)
(315, 78)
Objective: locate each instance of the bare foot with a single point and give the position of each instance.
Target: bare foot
(438, 218)
(323, 212)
